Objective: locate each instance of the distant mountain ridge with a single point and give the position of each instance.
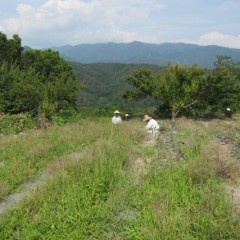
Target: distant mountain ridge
(146, 53)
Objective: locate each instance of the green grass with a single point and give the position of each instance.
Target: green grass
(96, 196)
(24, 156)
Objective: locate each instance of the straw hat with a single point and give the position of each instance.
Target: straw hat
(146, 118)
(116, 112)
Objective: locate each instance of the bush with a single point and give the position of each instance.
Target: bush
(16, 123)
(58, 120)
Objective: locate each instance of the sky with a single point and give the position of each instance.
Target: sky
(55, 23)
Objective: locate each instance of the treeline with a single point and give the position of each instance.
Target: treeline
(35, 81)
(165, 91)
(189, 90)
(44, 84)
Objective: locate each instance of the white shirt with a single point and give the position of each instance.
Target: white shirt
(116, 119)
(152, 126)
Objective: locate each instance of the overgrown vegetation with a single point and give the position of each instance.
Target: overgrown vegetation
(189, 89)
(93, 194)
(97, 180)
(34, 81)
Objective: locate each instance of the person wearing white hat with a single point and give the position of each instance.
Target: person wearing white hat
(152, 124)
(116, 118)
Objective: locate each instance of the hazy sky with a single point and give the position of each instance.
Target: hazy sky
(48, 23)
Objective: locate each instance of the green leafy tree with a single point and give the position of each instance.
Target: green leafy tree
(20, 91)
(3, 48)
(181, 87)
(55, 70)
(143, 84)
(14, 49)
(48, 63)
(33, 79)
(10, 49)
(177, 88)
(223, 84)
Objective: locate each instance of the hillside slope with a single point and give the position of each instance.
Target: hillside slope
(104, 82)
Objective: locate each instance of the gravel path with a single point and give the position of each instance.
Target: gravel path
(168, 152)
(13, 199)
(16, 197)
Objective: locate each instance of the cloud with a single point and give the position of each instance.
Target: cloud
(79, 21)
(230, 5)
(47, 23)
(24, 9)
(215, 38)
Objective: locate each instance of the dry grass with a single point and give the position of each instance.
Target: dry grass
(212, 141)
(216, 159)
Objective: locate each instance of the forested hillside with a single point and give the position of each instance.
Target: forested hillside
(174, 89)
(105, 81)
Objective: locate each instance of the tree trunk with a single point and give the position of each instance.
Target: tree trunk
(174, 115)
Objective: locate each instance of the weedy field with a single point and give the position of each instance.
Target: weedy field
(116, 182)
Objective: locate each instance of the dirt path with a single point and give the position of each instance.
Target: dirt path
(230, 163)
(167, 152)
(13, 199)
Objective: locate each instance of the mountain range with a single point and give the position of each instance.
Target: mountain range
(146, 53)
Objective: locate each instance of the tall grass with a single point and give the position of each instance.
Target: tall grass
(79, 191)
(24, 156)
(95, 196)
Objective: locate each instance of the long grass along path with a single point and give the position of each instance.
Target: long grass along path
(168, 153)
(31, 185)
(126, 185)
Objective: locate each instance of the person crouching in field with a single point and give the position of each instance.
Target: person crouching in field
(116, 118)
(152, 124)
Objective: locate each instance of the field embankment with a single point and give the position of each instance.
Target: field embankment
(107, 184)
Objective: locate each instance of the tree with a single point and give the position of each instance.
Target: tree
(32, 79)
(56, 74)
(181, 87)
(10, 49)
(14, 49)
(20, 91)
(143, 83)
(223, 84)
(178, 88)
(3, 47)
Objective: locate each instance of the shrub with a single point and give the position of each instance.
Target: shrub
(16, 123)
